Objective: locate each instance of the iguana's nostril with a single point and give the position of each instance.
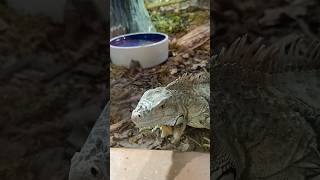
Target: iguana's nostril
(94, 171)
(135, 115)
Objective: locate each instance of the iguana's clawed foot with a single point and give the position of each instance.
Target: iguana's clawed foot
(165, 130)
(155, 128)
(208, 142)
(177, 132)
(175, 139)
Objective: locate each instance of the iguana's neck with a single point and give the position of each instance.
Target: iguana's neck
(192, 103)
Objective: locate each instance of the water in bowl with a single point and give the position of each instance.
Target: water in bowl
(132, 42)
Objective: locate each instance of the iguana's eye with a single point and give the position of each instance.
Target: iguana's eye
(162, 106)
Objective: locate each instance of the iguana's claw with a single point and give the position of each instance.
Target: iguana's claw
(155, 128)
(177, 132)
(208, 142)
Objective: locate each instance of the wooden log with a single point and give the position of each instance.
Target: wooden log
(185, 4)
(195, 38)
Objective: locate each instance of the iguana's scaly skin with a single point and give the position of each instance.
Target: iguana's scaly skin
(265, 105)
(92, 162)
(184, 101)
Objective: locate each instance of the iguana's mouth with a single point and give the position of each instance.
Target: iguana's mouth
(153, 123)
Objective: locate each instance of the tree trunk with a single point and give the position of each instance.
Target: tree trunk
(129, 16)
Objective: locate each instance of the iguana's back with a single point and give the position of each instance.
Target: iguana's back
(254, 114)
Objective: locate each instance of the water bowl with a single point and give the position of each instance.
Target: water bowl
(148, 48)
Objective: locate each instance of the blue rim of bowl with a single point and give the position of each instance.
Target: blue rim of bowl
(134, 47)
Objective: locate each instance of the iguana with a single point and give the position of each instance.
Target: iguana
(265, 110)
(92, 162)
(182, 102)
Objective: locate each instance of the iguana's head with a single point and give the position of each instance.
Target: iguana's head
(156, 107)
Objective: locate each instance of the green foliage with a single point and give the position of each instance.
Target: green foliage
(176, 22)
(199, 17)
(170, 23)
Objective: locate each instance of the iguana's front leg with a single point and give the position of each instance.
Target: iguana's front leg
(179, 129)
(166, 131)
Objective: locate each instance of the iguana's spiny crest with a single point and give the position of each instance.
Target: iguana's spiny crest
(189, 80)
(292, 53)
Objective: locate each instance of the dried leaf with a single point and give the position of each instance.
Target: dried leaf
(185, 55)
(173, 71)
(199, 65)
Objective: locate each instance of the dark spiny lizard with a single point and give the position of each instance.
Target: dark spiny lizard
(265, 105)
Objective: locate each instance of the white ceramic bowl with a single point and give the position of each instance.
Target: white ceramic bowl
(148, 48)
